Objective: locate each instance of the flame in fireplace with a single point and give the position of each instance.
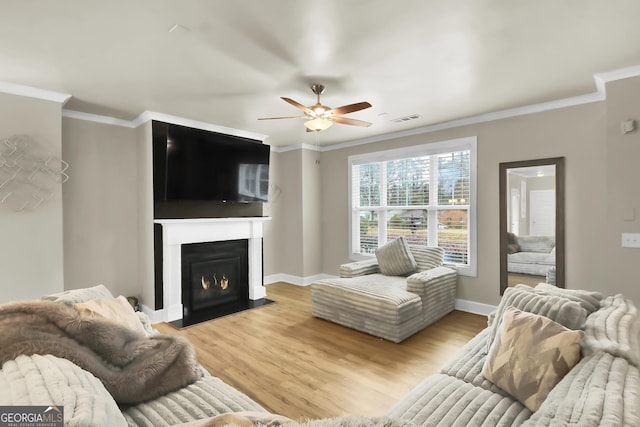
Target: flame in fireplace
(206, 284)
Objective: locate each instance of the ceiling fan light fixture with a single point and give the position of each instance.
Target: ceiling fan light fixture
(318, 124)
(320, 117)
(319, 110)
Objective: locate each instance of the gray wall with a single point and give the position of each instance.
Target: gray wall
(621, 199)
(100, 207)
(601, 189)
(308, 233)
(283, 241)
(566, 132)
(31, 248)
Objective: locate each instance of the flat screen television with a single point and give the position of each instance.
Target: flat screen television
(200, 165)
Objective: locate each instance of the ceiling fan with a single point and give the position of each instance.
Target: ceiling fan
(320, 117)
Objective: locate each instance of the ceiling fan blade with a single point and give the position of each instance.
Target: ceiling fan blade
(353, 122)
(351, 108)
(298, 105)
(279, 118)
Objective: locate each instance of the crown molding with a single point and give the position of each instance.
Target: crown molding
(601, 79)
(619, 74)
(33, 92)
(79, 115)
(286, 148)
(147, 116)
(152, 115)
(482, 118)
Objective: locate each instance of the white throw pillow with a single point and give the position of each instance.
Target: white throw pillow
(117, 310)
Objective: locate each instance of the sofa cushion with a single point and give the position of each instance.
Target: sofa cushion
(395, 258)
(205, 398)
(442, 400)
(589, 300)
(49, 380)
(600, 390)
(73, 296)
(359, 268)
(530, 355)
(373, 298)
(468, 363)
(536, 243)
(559, 309)
(117, 310)
(537, 258)
(427, 257)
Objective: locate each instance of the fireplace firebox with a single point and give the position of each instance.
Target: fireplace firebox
(215, 279)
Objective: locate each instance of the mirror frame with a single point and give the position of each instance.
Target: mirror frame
(560, 237)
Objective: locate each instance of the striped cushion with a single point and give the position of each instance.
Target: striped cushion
(561, 310)
(49, 380)
(441, 400)
(359, 268)
(395, 258)
(589, 300)
(543, 244)
(426, 257)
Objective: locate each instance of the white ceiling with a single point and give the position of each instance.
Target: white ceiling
(230, 61)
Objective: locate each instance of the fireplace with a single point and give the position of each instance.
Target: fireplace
(214, 279)
(170, 237)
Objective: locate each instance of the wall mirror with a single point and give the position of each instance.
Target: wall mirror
(532, 222)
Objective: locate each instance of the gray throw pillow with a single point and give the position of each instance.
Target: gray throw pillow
(395, 258)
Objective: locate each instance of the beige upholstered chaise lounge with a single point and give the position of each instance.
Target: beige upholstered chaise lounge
(393, 296)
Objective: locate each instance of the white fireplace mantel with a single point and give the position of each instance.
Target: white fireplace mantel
(176, 232)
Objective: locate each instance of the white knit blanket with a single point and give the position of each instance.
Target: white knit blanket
(614, 328)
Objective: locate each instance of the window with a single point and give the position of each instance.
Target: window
(425, 193)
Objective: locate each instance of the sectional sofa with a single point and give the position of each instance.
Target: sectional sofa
(599, 386)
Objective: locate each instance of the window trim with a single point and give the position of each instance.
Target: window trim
(467, 143)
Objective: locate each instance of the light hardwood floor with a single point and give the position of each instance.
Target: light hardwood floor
(302, 367)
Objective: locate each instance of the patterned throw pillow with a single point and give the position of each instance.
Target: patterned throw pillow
(530, 355)
(395, 258)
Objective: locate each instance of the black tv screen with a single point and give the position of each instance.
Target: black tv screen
(204, 165)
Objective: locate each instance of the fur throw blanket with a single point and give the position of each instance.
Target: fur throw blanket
(132, 369)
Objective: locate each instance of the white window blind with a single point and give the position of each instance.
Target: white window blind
(423, 193)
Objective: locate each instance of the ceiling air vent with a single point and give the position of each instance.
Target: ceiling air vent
(406, 118)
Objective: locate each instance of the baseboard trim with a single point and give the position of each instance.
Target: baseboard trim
(296, 280)
(474, 307)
